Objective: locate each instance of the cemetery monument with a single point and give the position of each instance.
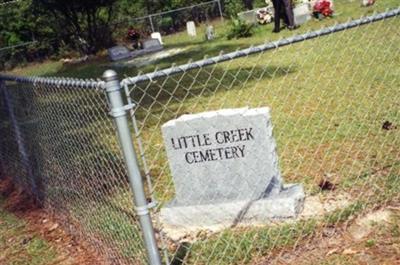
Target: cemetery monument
(225, 170)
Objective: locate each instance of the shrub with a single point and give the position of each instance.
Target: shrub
(232, 7)
(240, 29)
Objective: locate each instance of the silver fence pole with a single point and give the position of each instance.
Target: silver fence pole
(220, 10)
(119, 113)
(151, 23)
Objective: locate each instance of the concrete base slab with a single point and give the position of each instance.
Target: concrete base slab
(287, 204)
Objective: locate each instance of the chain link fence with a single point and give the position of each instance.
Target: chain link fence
(171, 21)
(333, 99)
(60, 145)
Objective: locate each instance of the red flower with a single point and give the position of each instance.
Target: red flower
(323, 7)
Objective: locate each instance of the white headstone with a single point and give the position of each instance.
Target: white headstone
(157, 35)
(191, 28)
(210, 34)
(221, 156)
(301, 14)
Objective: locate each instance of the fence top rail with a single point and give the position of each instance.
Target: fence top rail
(18, 45)
(167, 12)
(99, 84)
(260, 48)
(9, 2)
(56, 81)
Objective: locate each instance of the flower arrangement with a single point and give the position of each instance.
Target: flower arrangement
(264, 16)
(323, 8)
(367, 2)
(133, 35)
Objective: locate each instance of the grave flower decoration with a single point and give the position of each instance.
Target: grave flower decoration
(133, 34)
(367, 2)
(322, 8)
(264, 16)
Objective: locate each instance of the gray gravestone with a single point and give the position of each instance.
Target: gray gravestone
(152, 44)
(220, 162)
(118, 53)
(148, 46)
(249, 16)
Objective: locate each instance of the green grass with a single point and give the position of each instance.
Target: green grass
(197, 47)
(19, 246)
(329, 98)
(240, 246)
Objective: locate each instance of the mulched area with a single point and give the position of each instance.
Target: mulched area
(39, 222)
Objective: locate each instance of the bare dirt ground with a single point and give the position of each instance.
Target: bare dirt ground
(372, 239)
(39, 223)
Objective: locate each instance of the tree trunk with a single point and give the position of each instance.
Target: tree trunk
(248, 4)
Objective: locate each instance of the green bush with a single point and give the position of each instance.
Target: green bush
(232, 7)
(240, 29)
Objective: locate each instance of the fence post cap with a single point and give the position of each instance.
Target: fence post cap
(110, 75)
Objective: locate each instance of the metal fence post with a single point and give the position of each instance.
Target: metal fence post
(220, 10)
(119, 113)
(20, 140)
(151, 23)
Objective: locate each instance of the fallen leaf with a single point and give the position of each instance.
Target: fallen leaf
(349, 251)
(53, 227)
(332, 251)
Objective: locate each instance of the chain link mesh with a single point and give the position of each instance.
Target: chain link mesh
(60, 144)
(335, 109)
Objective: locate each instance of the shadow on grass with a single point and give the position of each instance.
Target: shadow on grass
(171, 96)
(94, 69)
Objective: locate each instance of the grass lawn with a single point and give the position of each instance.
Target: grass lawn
(196, 47)
(329, 98)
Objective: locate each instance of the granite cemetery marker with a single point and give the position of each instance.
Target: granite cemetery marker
(152, 44)
(225, 170)
(118, 53)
